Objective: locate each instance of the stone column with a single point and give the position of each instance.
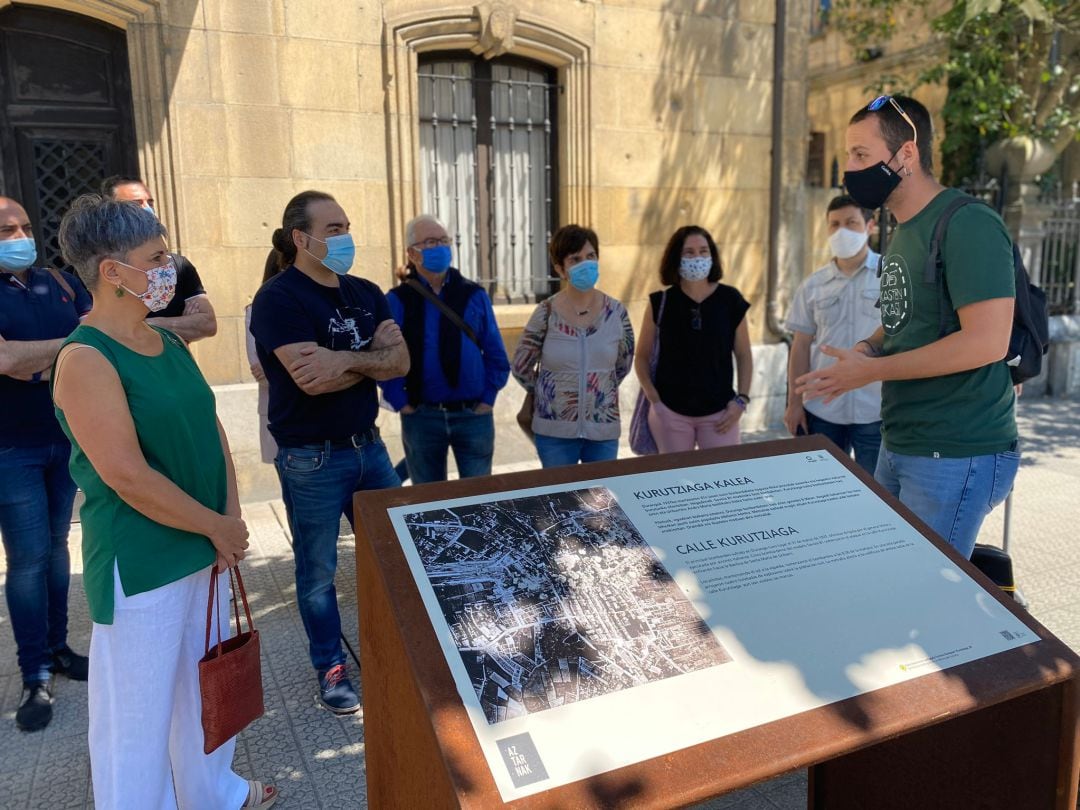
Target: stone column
(1022, 159)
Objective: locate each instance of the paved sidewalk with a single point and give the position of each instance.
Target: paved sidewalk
(317, 759)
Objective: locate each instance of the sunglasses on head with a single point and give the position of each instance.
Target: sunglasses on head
(881, 101)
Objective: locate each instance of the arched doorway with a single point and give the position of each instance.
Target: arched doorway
(65, 113)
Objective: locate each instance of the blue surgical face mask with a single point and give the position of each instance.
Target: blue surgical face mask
(584, 275)
(340, 252)
(436, 259)
(17, 254)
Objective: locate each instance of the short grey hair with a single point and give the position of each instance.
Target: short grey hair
(410, 228)
(97, 228)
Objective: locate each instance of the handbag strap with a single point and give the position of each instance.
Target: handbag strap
(210, 609)
(544, 331)
(547, 317)
(441, 305)
(237, 584)
(238, 587)
(654, 358)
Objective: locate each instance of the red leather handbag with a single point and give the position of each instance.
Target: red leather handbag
(230, 673)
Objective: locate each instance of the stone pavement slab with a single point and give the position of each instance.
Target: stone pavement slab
(317, 759)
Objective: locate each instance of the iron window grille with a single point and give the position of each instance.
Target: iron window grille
(488, 151)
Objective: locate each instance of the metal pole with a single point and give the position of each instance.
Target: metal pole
(1006, 534)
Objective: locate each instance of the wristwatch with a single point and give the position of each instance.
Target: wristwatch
(742, 400)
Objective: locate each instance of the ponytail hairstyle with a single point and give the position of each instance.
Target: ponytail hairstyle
(296, 217)
(272, 265)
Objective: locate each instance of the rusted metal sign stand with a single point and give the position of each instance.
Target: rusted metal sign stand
(1001, 731)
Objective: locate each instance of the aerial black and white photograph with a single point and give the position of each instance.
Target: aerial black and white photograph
(557, 598)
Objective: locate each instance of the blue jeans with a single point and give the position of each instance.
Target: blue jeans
(317, 485)
(864, 439)
(952, 495)
(556, 452)
(429, 433)
(36, 494)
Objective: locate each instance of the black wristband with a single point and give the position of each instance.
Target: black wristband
(874, 350)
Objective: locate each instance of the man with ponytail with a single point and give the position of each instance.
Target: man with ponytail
(323, 338)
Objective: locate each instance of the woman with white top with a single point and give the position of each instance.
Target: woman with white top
(161, 509)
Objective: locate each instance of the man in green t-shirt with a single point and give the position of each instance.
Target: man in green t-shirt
(949, 445)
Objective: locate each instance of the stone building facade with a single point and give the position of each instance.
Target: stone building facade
(840, 80)
(632, 116)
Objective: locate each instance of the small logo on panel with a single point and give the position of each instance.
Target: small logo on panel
(522, 760)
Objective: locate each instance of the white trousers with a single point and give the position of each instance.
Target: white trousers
(146, 738)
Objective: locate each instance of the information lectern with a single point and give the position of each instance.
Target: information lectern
(657, 631)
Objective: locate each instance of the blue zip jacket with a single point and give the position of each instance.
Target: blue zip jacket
(483, 373)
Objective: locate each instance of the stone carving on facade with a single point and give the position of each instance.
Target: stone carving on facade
(497, 21)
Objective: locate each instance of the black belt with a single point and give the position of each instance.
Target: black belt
(357, 440)
(453, 407)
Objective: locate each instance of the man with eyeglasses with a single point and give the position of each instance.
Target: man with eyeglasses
(458, 363)
(39, 307)
(949, 447)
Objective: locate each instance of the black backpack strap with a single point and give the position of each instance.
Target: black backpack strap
(441, 305)
(933, 256)
(933, 270)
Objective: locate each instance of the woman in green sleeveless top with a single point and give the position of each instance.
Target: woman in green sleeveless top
(161, 509)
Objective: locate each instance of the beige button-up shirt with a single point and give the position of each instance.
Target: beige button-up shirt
(839, 310)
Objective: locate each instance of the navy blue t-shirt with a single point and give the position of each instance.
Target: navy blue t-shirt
(294, 308)
(40, 310)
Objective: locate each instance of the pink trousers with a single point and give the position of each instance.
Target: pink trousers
(674, 432)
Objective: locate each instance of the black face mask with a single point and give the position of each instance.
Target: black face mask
(870, 187)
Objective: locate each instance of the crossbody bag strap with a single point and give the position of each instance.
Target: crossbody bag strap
(56, 274)
(452, 316)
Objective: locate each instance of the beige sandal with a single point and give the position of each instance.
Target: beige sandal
(260, 795)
